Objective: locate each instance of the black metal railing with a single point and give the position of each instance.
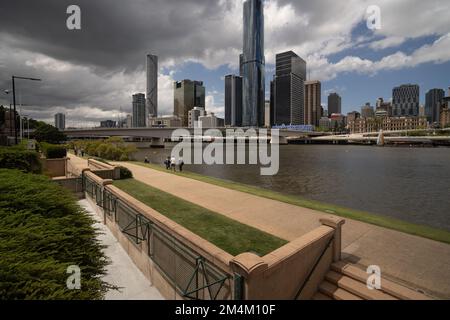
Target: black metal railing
(192, 275)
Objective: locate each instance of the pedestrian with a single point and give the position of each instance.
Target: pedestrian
(167, 163)
(173, 163)
(146, 160)
(180, 164)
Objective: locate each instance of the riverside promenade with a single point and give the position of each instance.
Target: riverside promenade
(416, 262)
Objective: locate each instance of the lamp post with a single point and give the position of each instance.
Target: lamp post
(7, 91)
(13, 78)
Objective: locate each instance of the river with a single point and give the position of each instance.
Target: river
(411, 184)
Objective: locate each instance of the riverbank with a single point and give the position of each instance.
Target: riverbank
(363, 216)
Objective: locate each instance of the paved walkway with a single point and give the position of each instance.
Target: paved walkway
(122, 272)
(417, 262)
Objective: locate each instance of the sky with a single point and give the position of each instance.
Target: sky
(91, 74)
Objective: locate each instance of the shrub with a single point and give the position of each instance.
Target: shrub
(125, 173)
(111, 149)
(14, 158)
(42, 232)
(53, 151)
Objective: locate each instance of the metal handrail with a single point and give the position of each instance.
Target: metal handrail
(300, 291)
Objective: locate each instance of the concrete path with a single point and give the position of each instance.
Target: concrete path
(122, 272)
(414, 261)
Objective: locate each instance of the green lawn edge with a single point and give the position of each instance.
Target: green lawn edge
(228, 234)
(359, 215)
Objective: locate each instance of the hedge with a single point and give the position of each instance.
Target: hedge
(43, 231)
(14, 158)
(53, 151)
(125, 173)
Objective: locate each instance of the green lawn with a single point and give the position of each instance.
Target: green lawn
(225, 233)
(382, 221)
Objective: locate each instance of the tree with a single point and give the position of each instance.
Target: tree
(48, 133)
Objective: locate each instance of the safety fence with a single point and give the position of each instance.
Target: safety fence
(192, 275)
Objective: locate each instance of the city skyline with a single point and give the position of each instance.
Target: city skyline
(359, 64)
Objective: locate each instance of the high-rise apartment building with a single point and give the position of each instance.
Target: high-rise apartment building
(313, 102)
(289, 90)
(383, 107)
(233, 101)
(152, 85)
(334, 104)
(139, 112)
(60, 121)
(267, 120)
(405, 100)
(187, 95)
(433, 101)
(193, 116)
(367, 111)
(253, 64)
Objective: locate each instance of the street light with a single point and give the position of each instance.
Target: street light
(7, 91)
(14, 99)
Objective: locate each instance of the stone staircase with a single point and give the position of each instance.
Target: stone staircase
(345, 281)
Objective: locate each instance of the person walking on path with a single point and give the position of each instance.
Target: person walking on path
(173, 163)
(180, 164)
(167, 163)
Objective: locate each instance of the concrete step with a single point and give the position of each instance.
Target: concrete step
(320, 296)
(391, 288)
(336, 293)
(356, 287)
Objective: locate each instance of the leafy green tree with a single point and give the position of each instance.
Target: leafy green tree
(48, 133)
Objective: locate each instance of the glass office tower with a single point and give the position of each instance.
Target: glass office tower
(253, 69)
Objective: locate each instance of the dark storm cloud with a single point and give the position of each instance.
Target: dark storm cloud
(115, 34)
(102, 64)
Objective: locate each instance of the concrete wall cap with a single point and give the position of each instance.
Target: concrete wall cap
(248, 264)
(107, 182)
(332, 221)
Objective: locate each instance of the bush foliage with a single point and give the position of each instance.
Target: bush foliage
(42, 232)
(125, 173)
(111, 149)
(17, 158)
(53, 151)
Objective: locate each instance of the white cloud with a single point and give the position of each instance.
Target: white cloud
(438, 52)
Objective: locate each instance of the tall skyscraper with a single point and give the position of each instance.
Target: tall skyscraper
(139, 112)
(334, 104)
(253, 65)
(233, 101)
(60, 121)
(152, 85)
(405, 100)
(313, 102)
(272, 102)
(433, 100)
(187, 95)
(289, 89)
